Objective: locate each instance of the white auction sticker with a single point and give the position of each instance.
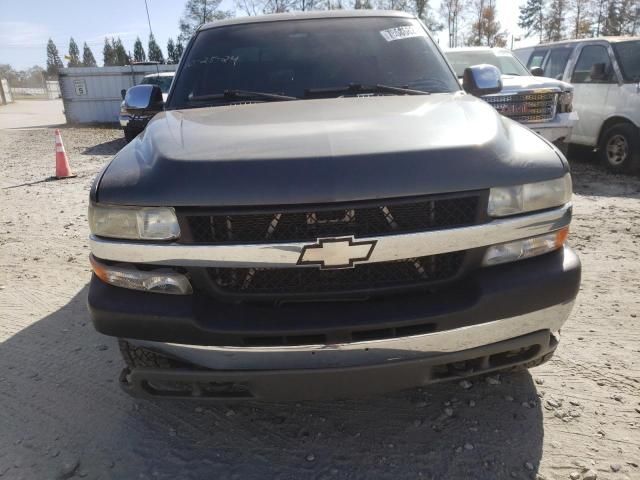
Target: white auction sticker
(400, 33)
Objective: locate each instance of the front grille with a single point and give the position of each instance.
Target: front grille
(367, 277)
(311, 223)
(526, 108)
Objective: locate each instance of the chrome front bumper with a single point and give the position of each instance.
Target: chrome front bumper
(558, 129)
(378, 352)
(284, 255)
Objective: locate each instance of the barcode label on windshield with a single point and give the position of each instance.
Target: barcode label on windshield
(400, 33)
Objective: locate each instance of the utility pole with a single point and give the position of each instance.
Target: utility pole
(204, 12)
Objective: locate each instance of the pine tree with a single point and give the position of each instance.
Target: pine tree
(74, 54)
(362, 5)
(155, 53)
(120, 54)
(138, 51)
(554, 26)
(179, 50)
(53, 59)
(88, 60)
(197, 12)
(532, 18)
(172, 57)
(108, 54)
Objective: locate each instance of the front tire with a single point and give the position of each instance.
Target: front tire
(620, 148)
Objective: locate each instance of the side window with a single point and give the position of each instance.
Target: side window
(593, 66)
(557, 62)
(536, 59)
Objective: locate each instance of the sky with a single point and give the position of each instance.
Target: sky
(26, 25)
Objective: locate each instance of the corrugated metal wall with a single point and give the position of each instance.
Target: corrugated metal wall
(92, 94)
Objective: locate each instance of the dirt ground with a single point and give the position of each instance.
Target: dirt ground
(62, 414)
(32, 113)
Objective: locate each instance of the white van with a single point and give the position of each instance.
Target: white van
(605, 74)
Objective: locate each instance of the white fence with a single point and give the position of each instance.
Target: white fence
(92, 94)
(50, 90)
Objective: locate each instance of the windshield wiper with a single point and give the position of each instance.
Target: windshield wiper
(356, 88)
(237, 94)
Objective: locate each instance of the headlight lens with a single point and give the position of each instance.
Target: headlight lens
(154, 281)
(526, 248)
(565, 102)
(504, 201)
(149, 223)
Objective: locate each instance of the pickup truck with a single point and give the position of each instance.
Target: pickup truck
(545, 105)
(133, 123)
(319, 210)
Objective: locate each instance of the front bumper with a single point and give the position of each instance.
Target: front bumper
(137, 122)
(558, 129)
(490, 305)
(124, 120)
(338, 382)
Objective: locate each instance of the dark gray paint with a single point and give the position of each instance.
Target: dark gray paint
(317, 151)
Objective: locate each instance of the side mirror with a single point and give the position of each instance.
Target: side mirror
(143, 98)
(481, 80)
(537, 71)
(598, 72)
(123, 92)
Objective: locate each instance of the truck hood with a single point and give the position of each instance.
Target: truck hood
(515, 83)
(321, 151)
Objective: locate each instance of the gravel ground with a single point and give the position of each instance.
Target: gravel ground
(62, 414)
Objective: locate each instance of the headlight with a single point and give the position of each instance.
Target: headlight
(154, 281)
(526, 248)
(565, 102)
(148, 223)
(505, 201)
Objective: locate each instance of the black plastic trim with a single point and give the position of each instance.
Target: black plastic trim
(485, 295)
(331, 383)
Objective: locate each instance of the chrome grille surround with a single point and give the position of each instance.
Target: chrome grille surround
(526, 107)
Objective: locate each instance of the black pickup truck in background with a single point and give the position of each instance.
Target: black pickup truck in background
(319, 210)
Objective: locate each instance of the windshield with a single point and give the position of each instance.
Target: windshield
(504, 60)
(628, 54)
(163, 82)
(295, 56)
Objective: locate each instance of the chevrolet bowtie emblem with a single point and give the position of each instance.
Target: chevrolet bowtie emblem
(330, 253)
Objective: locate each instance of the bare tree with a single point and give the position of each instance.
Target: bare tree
(600, 8)
(197, 12)
(250, 7)
(486, 29)
(582, 18)
(451, 12)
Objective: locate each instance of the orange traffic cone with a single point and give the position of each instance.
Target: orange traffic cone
(62, 162)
